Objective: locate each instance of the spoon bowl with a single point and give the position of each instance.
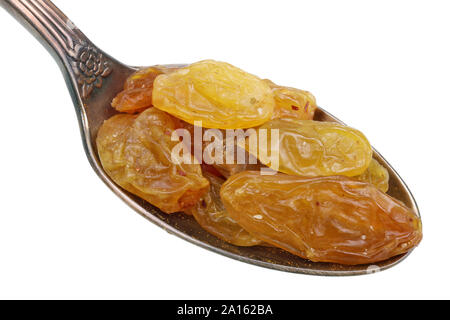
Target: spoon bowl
(94, 78)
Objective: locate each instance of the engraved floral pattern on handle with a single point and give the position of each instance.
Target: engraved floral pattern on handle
(90, 67)
(86, 64)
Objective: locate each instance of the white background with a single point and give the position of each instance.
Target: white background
(381, 66)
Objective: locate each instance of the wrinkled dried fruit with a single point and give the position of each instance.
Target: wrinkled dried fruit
(144, 78)
(210, 213)
(226, 168)
(377, 175)
(292, 103)
(216, 93)
(137, 93)
(111, 142)
(313, 148)
(136, 153)
(328, 219)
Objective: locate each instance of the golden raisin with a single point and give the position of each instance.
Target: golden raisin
(292, 103)
(136, 153)
(327, 219)
(210, 213)
(216, 93)
(377, 175)
(312, 148)
(137, 93)
(226, 167)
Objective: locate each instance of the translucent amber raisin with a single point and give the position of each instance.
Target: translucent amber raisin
(210, 213)
(111, 142)
(327, 219)
(249, 163)
(136, 153)
(225, 168)
(377, 175)
(313, 148)
(292, 103)
(216, 93)
(137, 93)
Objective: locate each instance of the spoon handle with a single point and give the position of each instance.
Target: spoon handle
(84, 66)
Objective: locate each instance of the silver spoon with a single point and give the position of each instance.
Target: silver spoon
(94, 78)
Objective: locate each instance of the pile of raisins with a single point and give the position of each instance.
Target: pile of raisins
(324, 199)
